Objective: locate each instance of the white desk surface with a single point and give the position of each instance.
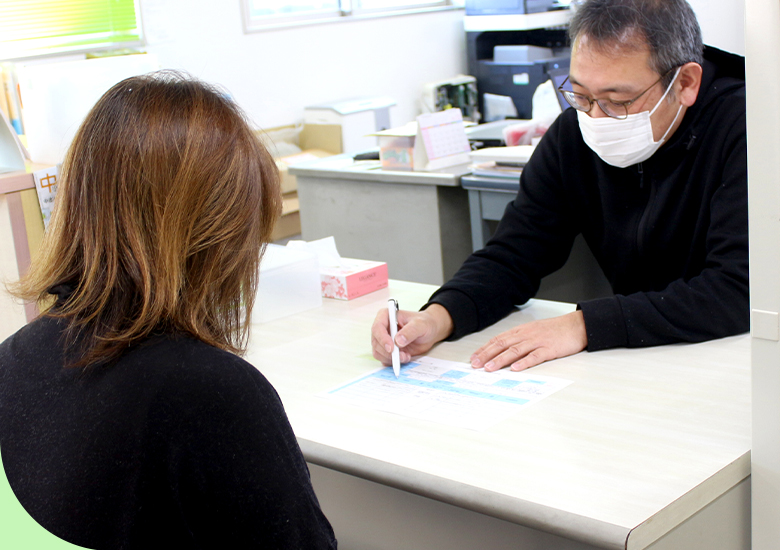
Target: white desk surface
(343, 167)
(641, 440)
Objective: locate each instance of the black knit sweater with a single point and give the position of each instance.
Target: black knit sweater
(178, 445)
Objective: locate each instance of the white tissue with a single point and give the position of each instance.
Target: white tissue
(325, 249)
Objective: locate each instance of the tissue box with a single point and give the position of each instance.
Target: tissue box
(396, 147)
(396, 152)
(289, 283)
(353, 279)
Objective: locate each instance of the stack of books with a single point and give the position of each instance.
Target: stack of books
(500, 162)
(495, 169)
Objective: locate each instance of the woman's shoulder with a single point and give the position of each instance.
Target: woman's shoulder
(196, 387)
(189, 362)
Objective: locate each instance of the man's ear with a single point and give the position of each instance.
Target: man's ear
(688, 83)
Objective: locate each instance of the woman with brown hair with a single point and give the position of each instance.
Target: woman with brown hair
(126, 418)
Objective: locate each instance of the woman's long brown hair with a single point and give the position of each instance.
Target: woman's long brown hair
(165, 202)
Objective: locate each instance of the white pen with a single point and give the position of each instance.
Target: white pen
(392, 309)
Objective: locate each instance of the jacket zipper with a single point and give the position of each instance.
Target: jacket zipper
(641, 175)
(640, 228)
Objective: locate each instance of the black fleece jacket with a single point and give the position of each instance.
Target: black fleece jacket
(178, 445)
(670, 234)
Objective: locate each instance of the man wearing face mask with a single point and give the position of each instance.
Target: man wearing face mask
(650, 166)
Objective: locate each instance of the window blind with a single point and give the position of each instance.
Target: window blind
(269, 8)
(37, 27)
(395, 4)
(262, 14)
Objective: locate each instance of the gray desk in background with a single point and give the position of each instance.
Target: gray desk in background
(417, 222)
(488, 198)
(580, 279)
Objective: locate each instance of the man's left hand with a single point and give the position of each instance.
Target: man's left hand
(533, 343)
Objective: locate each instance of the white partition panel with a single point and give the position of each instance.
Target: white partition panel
(762, 43)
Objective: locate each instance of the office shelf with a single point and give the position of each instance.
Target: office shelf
(516, 22)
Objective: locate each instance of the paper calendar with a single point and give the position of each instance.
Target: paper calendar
(441, 140)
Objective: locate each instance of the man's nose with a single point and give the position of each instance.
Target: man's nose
(596, 111)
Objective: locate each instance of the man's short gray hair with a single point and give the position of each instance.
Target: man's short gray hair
(668, 27)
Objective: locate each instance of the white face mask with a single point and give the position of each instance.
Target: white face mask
(624, 142)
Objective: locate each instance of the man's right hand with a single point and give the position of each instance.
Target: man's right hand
(418, 332)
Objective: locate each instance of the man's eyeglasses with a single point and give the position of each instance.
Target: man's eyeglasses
(614, 109)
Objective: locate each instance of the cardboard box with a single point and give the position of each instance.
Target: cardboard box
(288, 182)
(289, 223)
(325, 137)
(355, 278)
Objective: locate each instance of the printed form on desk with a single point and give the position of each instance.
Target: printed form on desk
(447, 392)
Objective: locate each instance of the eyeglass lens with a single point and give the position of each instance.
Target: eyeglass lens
(583, 103)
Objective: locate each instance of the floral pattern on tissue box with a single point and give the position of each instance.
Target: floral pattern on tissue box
(353, 278)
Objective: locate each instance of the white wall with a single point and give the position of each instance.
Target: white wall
(722, 23)
(273, 75)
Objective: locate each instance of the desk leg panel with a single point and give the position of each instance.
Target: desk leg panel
(454, 228)
(479, 226)
(370, 516)
(494, 204)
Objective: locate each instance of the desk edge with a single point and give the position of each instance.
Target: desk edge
(406, 178)
(528, 514)
(692, 502)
